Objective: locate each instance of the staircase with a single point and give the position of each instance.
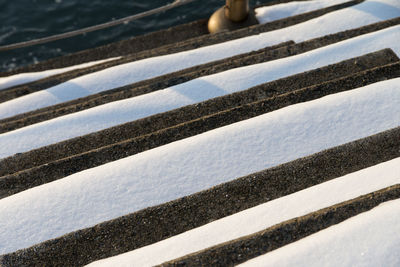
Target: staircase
(180, 148)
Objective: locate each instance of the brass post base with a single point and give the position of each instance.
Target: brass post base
(219, 23)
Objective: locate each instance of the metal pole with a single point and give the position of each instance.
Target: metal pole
(237, 10)
(234, 15)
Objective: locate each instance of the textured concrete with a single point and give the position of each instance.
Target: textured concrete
(259, 99)
(153, 224)
(248, 247)
(132, 45)
(165, 81)
(193, 43)
(122, 48)
(157, 223)
(138, 88)
(51, 171)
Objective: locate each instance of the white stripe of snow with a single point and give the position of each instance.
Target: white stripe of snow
(193, 164)
(194, 91)
(365, 13)
(369, 239)
(22, 78)
(263, 216)
(264, 14)
(284, 10)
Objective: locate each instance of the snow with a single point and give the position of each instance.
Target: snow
(194, 91)
(188, 166)
(23, 78)
(369, 239)
(264, 14)
(284, 10)
(368, 12)
(193, 164)
(261, 217)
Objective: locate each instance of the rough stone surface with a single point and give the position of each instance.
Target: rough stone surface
(51, 171)
(122, 48)
(206, 115)
(157, 223)
(135, 89)
(165, 81)
(192, 43)
(129, 46)
(248, 247)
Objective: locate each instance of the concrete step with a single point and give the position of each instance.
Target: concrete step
(248, 247)
(162, 82)
(193, 119)
(50, 171)
(153, 224)
(122, 48)
(17, 91)
(125, 47)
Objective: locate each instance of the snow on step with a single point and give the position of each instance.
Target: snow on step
(264, 14)
(23, 78)
(194, 91)
(263, 216)
(368, 12)
(368, 239)
(196, 163)
(270, 13)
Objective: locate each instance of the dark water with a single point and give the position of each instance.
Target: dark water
(23, 20)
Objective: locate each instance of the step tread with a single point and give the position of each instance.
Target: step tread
(121, 48)
(165, 120)
(129, 232)
(51, 171)
(156, 223)
(205, 40)
(175, 78)
(248, 247)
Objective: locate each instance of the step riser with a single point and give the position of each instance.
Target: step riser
(153, 224)
(168, 119)
(174, 48)
(157, 223)
(62, 168)
(134, 45)
(175, 78)
(249, 247)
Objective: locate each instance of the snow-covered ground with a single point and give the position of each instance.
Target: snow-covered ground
(193, 164)
(369, 239)
(194, 91)
(263, 216)
(368, 12)
(23, 78)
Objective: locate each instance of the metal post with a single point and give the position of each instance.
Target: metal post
(236, 10)
(234, 15)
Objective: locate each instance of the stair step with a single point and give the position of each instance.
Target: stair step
(267, 93)
(196, 133)
(248, 247)
(153, 224)
(206, 40)
(54, 170)
(132, 45)
(162, 82)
